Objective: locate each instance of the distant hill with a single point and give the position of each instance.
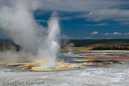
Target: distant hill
(95, 43)
(82, 43)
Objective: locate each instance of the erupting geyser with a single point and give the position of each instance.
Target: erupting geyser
(52, 40)
(37, 42)
(51, 44)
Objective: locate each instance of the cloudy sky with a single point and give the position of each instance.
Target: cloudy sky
(86, 19)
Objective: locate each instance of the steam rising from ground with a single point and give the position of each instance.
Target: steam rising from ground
(16, 18)
(69, 46)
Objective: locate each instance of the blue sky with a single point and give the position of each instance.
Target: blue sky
(87, 19)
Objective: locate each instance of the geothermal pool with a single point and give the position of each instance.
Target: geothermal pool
(108, 75)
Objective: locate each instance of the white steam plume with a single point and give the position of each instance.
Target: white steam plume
(16, 18)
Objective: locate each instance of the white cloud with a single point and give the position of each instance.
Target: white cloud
(97, 24)
(82, 5)
(126, 33)
(94, 33)
(115, 33)
(107, 14)
(93, 10)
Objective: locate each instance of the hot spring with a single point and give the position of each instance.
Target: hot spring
(39, 45)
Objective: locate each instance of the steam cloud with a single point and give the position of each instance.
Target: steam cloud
(16, 18)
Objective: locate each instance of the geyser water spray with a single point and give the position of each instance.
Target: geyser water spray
(51, 44)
